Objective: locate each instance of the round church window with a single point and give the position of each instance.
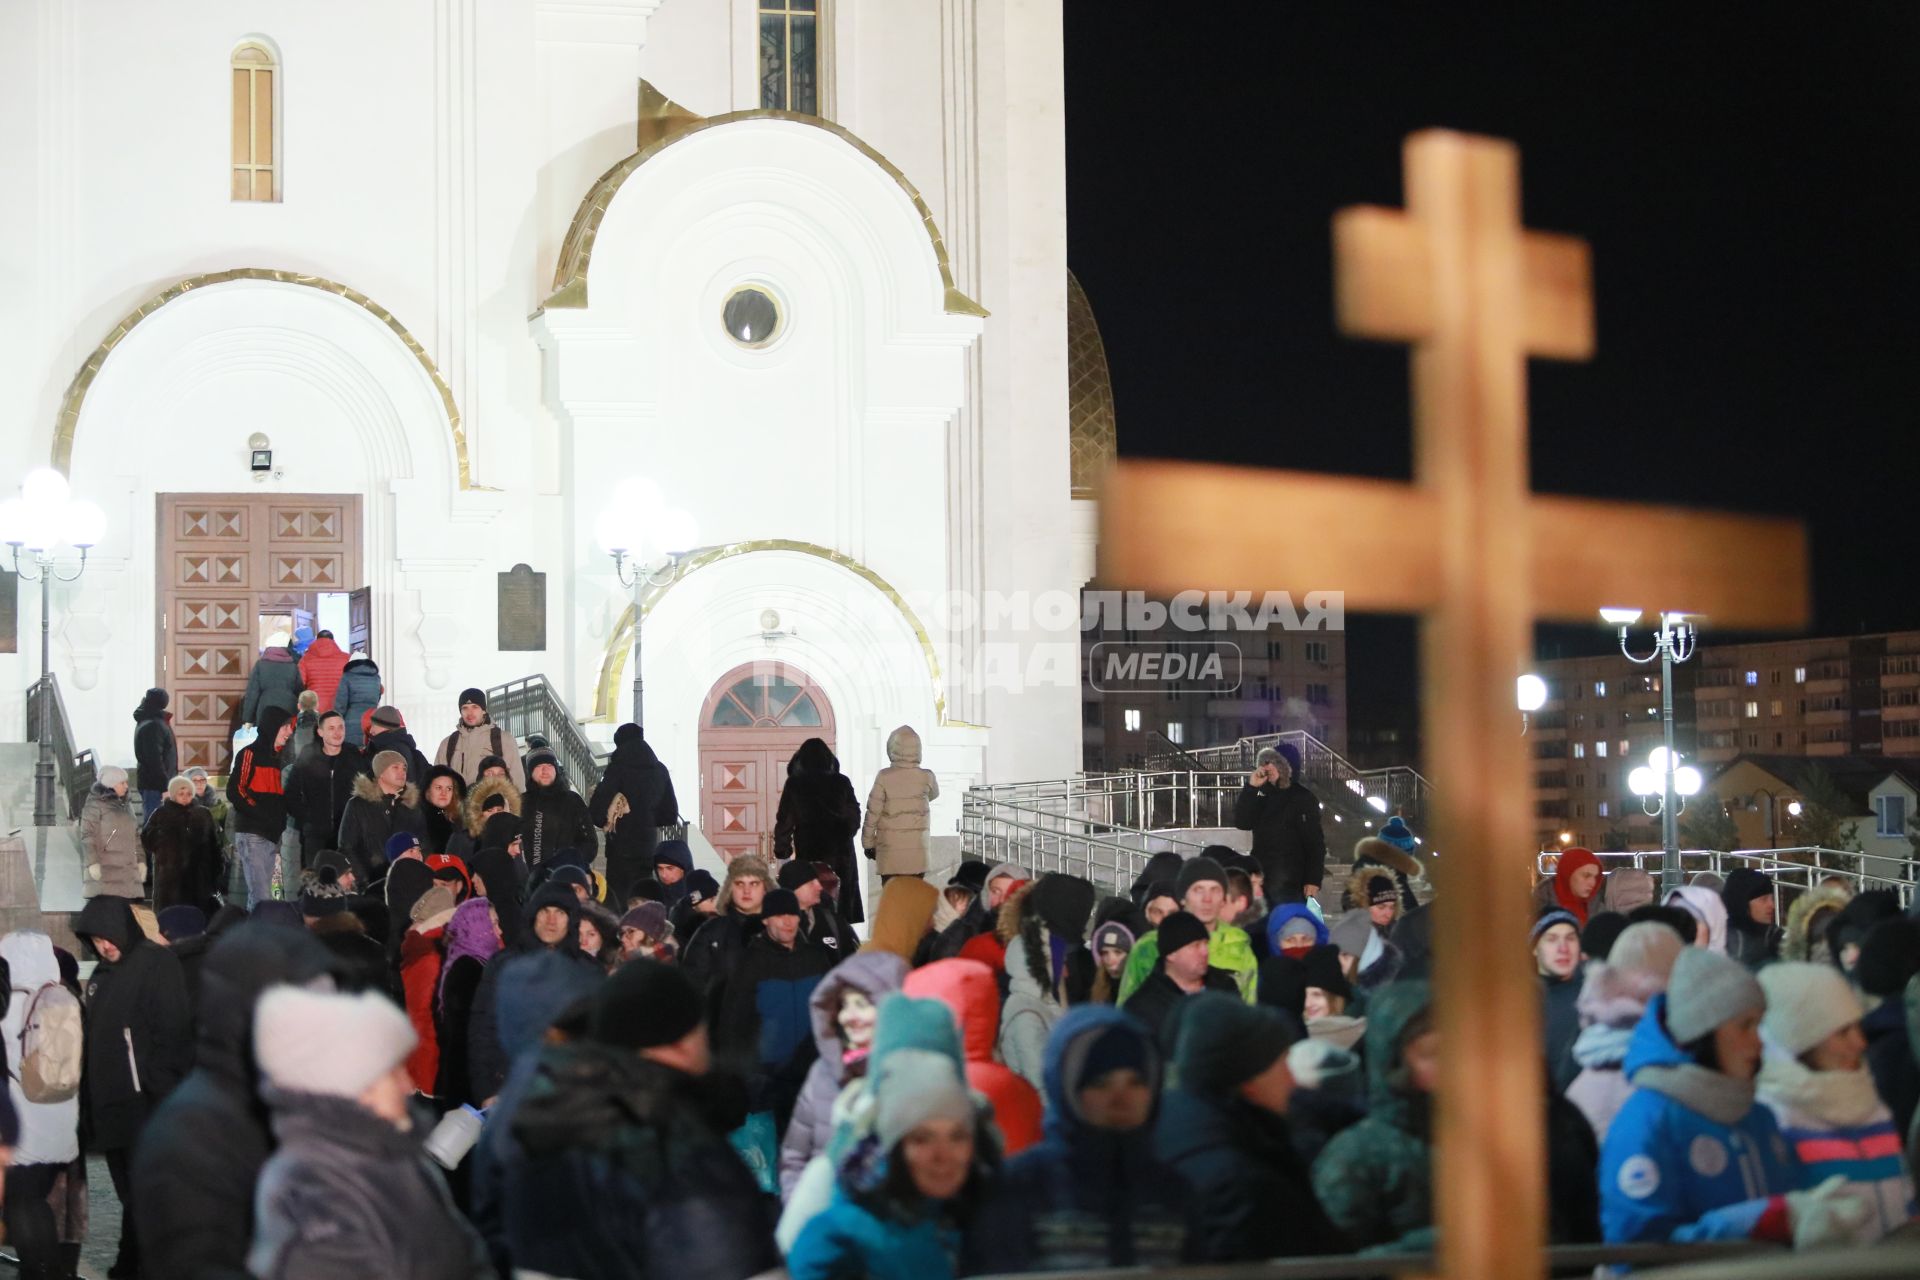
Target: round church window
(752, 316)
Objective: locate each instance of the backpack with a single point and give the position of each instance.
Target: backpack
(50, 1045)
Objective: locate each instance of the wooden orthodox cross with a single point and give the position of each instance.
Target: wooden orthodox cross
(1472, 550)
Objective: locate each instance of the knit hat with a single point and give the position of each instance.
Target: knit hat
(385, 760)
(328, 1043)
(643, 1005)
(1194, 870)
(1858, 918)
(183, 920)
(477, 697)
(572, 877)
(1648, 947)
(539, 757)
(1112, 934)
(1321, 968)
(1381, 889)
(437, 901)
(780, 902)
(501, 830)
(321, 894)
(1180, 930)
(1223, 1042)
(1706, 990)
(388, 717)
(1628, 888)
(1550, 918)
(1395, 833)
(1119, 1047)
(400, 843)
(1806, 1003)
(914, 1086)
(1889, 957)
(701, 886)
(649, 918)
(112, 776)
(970, 874)
(796, 872)
(1602, 931)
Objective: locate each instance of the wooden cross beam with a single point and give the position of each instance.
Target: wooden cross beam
(1480, 557)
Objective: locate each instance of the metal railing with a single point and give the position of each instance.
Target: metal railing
(1792, 871)
(1402, 790)
(529, 706)
(74, 769)
(1560, 1260)
(1049, 826)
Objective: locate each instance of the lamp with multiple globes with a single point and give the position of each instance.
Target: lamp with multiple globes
(1674, 641)
(648, 539)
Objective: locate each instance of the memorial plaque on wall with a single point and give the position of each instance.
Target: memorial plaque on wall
(9, 611)
(522, 610)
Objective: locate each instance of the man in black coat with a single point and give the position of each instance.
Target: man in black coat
(382, 806)
(387, 731)
(194, 1170)
(1288, 840)
(635, 775)
(820, 923)
(1183, 971)
(762, 1024)
(139, 1047)
(320, 784)
(155, 754)
(552, 814)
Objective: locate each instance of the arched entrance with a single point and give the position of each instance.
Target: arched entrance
(754, 719)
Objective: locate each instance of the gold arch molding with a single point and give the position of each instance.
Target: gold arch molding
(68, 421)
(664, 122)
(620, 644)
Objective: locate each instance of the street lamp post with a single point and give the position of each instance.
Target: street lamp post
(647, 539)
(42, 519)
(1673, 642)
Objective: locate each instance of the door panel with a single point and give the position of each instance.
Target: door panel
(754, 719)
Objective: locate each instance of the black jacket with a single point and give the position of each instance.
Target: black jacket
(1288, 839)
(371, 817)
(551, 819)
(487, 1057)
(186, 856)
(762, 1026)
(198, 1158)
(400, 741)
(819, 816)
(139, 1029)
(636, 773)
(1253, 1192)
(156, 756)
(717, 946)
(1156, 999)
(317, 789)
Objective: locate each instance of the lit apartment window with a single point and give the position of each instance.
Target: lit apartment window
(1132, 719)
(1753, 709)
(1177, 733)
(1753, 677)
(1599, 688)
(1600, 749)
(1775, 707)
(1579, 751)
(1603, 810)
(1799, 675)
(1623, 748)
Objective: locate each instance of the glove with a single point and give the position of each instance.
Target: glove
(93, 872)
(871, 855)
(1314, 1062)
(1831, 1213)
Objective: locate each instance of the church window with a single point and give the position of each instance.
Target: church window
(765, 702)
(790, 55)
(751, 316)
(255, 172)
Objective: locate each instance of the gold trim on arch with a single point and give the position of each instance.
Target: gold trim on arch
(663, 122)
(68, 421)
(620, 643)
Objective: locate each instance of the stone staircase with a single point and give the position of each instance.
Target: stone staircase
(40, 867)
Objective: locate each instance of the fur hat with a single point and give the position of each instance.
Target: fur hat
(327, 1043)
(745, 866)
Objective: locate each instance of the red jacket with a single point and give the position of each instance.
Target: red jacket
(420, 973)
(320, 668)
(967, 987)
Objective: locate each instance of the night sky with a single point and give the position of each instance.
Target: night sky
(1744, 177)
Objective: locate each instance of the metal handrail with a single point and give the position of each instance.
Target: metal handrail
(1561, 1260)
(1787, 871)
(530, 705)
(1404, 789)
(76, 769)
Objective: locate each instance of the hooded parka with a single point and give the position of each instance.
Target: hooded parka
(900, 808)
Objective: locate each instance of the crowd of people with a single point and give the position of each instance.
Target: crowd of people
(492, 1027)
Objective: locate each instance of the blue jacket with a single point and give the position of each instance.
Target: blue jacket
(1084, 1198)
(1669, 1173)
(850, 1241)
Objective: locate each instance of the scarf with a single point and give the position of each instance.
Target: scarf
(1601, 1047)
(1716, 1096)
(1840, 1099)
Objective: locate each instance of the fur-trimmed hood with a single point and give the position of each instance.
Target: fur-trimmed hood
(1372, 849)
(367, 789)
(1356, 892)
(1800, 916)
(1006, 923)
(480, 793)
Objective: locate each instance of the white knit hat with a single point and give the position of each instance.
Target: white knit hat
(1707, 989)
(1648, 947)
(319, 1042)
(1806, 1003)
(913, 1087)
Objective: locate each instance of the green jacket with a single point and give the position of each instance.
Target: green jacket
(1375, 1179)
(1228, 948)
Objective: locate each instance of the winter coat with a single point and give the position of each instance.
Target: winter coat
(551, 819)
(110, 841)
(1890, 1057)
(139, 1031)
(821, 924)
(876, 974)
(1751, 943)
(419, 979)
(1083, 1198)
(468, 745)
(1154, 1003)
(321, 667)
(637, 774)
(274, 682)
(1669, 1171)
(1612, 1002)
(853, 1240)
(1373, 856)
(617, 1168)
(156, 754)
(762, 1027)
(487, 1054)
(453, 1019)
(317, 788)
(477, 797)
(348, 1196)
(968, 988)
(1836, 1124)
(717, 946)
(357, 694)
(1288, 841)
(201, 1153)
(819, 819)
(255, 787)
(400, 742)
(49, 1131)
(1027, 1018)
(900, 808)
(1375, 1179)
(1249, 1190)
(1228, 948)
(360, 962)
(1560, 1021)
(186, 855)
(371, 817)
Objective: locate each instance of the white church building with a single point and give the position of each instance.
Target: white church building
(343, 311)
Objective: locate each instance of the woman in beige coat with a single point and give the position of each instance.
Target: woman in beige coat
(110, 840)
(900, 809)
